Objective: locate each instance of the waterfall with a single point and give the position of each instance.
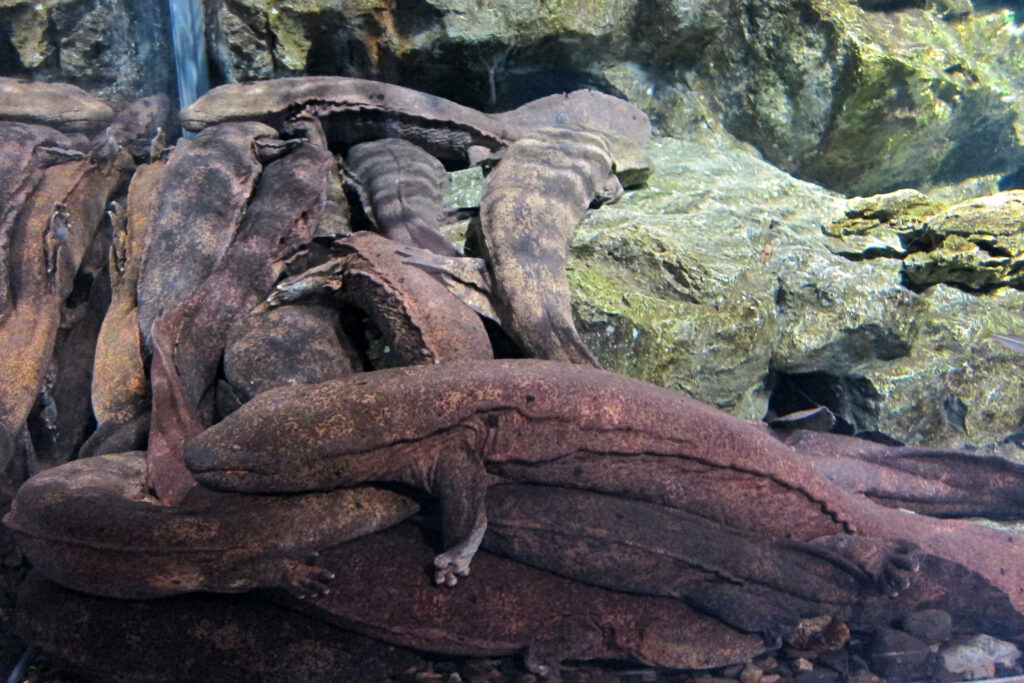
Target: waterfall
(189, 49)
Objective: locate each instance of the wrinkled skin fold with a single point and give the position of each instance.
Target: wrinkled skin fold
(451, 428)
(93, 525)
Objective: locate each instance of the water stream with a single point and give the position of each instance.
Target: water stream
(189, 49)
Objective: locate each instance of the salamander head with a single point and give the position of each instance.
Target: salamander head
(632, 164)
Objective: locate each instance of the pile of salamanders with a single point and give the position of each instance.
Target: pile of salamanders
(231, 340)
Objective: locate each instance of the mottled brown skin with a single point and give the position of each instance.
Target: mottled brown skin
(587, 108)
(282, 213)
(421, 321)
(511, 608)
(205, 187)
(531, 203)
(449, 428)
(61, 417)
(195, 638)
(648, 549)
(355, 110)
(47, 242)
(94, 526)
(111, 437)
(626, 126)
(405, 188)
(173, 419)
(120, 387)
(25, 152)
(929, 481)
(60, 105)
(293, 344)
(139, 122)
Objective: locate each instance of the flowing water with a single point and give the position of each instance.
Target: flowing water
(189, 49)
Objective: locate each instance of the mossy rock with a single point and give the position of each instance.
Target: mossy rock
(957, 387)
(676, 283)
(863, 102)
(978, 244)
(880, 225)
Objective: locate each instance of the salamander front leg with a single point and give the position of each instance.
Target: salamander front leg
(461, 484)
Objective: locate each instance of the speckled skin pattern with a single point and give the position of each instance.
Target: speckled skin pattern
(929, 481)
(206, 185)
(60, 105)
(420, 320)
(298, 343)
(281, 214)
(25, 152)
(94, 526)
(510, 608)
(120, 387)
(405, 188)
(46, 242)
(531, 203)
(355, 110)
(450, 428)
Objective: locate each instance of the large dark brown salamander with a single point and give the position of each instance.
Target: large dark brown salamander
(449, 428)
(355, 110)
(60, 105)
(93, 525)
(120, 387)
(420, 320)
(531, 203)
(205, 186)
(282, 214)
(25, 152)
(277, 346)
(46, 243)
(404, 186)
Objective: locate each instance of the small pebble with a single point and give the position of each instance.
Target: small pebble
(751, 674)
(896, 654)
(802, 664)
(976, 657)
(820, 633)
(930, 625)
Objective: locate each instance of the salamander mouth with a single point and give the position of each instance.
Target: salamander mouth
(213, 470)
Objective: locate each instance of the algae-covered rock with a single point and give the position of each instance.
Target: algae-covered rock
(676, 283)
(861, 102)
(976, 244)
(956, 387)
(879, 225)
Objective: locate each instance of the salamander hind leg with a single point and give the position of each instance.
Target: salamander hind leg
(305, 580)
(889, 564)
